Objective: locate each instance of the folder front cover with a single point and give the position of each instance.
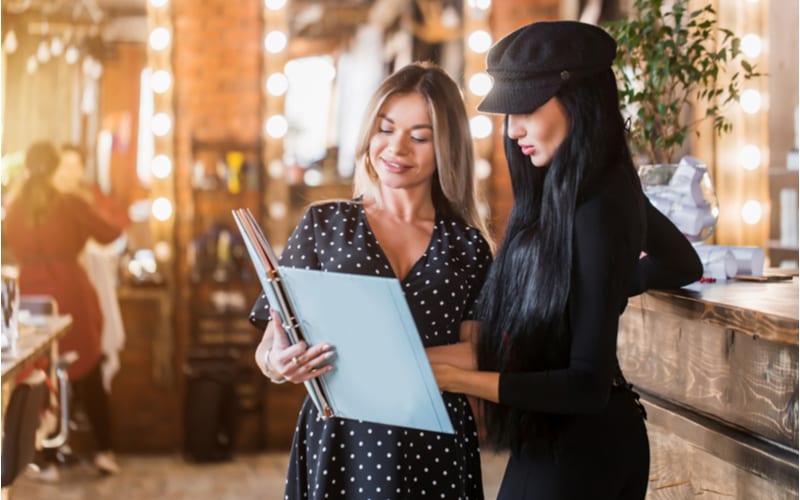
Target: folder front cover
(381, 373)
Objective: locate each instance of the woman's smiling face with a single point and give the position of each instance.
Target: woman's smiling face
(539, 134)
(401, 148)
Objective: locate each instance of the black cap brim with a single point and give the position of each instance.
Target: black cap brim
(510, 97)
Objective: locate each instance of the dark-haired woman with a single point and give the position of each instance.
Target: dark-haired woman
(46, 230)
(548, 372)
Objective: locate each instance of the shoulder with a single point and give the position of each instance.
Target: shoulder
(336, 209)
(466, 239)
(611, 204)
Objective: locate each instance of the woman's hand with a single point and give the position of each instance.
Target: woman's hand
(446, 376)
(485, 385)
(296, 363)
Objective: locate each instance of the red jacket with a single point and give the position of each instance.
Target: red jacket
(48, 264)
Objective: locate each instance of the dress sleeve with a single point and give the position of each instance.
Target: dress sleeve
(300, 251)
(670, 261)
(601, 257)
(95, 225)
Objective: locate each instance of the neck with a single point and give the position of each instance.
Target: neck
(408, 204)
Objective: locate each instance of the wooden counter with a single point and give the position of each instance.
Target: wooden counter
(717, 369)
(33, 343)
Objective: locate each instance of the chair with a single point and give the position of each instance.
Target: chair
(20, 422)
(46, 305)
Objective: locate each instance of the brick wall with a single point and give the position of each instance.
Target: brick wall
(217, 59)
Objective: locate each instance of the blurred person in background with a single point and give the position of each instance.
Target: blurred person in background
(46, 230)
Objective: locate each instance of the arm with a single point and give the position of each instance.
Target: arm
(275, 355)
(671, 261)
(600, 260)
(460, 354)
(95, 225)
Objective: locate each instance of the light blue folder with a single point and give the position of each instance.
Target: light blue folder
(381, 373)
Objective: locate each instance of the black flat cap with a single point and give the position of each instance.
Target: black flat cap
(529, 65)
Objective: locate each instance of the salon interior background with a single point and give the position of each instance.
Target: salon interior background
(188, 108)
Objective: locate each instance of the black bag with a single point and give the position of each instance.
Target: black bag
(211, 408)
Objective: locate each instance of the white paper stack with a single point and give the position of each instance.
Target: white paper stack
(723, 262)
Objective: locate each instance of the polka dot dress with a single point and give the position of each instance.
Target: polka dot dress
(348, 459)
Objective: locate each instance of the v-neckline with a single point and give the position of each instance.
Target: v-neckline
(383, 254)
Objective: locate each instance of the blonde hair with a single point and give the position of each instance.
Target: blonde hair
(454, 189)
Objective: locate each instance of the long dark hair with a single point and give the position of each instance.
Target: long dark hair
(37, 191)
(524, 302)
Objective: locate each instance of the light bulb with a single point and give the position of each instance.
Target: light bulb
(750, 100)
(161, 166)
(751, 212)
(160, 81)
(31, 65)
(277, 210)
(56, 46)
(277, 84)
(10, 43)
(162, 209)
(72, 55)
(275, 169)
(158, 3)
(159, 39)
(479, 41)
(751, 45)
(277, 126)
(160, 124)
(750, 157)
(480, 84)
(43, 52)
(275, 41)
(274, 4)
(480, 126)
(483, 169)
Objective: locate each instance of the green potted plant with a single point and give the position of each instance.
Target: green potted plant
(668, 59)
(676, 68)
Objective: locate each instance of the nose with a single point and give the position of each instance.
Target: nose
(398, 143)
(514, 127)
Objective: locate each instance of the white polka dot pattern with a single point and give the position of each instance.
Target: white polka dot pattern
(346, 459)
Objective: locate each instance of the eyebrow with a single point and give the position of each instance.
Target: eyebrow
(414, 127)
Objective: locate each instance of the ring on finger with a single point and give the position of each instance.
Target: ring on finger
(295, 361)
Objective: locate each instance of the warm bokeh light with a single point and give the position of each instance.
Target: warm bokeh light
(480, 126)
(480, 84)
(158, 3)
(750, 100)
(751, 212)
(751, 45)
(479, 41)
(277, 126)
(277, 84)
(277, 210)
(161, 166)
(750, 157)
(275, 41)
(162, 209)
(160, 38)
(274, 4)
(483, 169)
(276, 169)
(160, 81)
(161, 124)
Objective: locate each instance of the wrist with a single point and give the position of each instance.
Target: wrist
(275, 378)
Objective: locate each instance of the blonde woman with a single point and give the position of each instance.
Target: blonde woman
(414, 218)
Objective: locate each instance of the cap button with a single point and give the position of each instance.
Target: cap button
(565, 75)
